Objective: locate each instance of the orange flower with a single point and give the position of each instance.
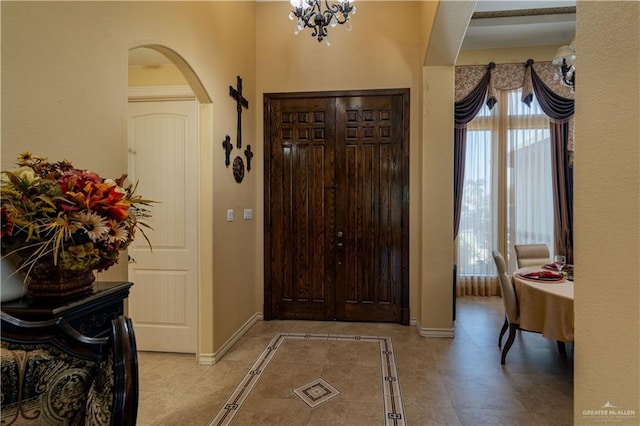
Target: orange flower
(53, 209)
(118, 212)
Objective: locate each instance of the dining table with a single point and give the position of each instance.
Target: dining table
(546, 306)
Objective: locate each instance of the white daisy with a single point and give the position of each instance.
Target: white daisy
(94, 225)
(26, 173)
(117, 233)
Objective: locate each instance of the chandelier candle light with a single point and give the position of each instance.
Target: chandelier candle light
(309, 14)
(565, 58)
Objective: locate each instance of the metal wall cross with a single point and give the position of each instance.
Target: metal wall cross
(241, 102)
(249, 155)
(228, 147)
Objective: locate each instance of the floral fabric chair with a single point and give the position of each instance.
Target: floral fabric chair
(52, 375)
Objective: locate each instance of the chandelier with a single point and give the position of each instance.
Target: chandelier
(565, 58)
(309, 14)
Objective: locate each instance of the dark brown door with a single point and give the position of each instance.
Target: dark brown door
(336, 206)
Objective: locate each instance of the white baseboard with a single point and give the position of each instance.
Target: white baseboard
(432, 332)
(206, 359)
(210, 359)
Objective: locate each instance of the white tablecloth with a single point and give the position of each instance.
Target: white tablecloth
(545, 306)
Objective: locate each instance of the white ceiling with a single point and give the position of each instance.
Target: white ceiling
(483, 33)
(536, 28)
(493, 5)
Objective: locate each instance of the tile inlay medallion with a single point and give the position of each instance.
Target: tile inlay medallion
(317, 392)
(320, 391)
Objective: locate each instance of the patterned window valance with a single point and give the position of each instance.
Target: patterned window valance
(511, 77)
(508, 77)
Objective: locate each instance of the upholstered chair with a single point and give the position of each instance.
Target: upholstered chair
(511, 308)
(531, 254)
(52, 375)
(510, 301)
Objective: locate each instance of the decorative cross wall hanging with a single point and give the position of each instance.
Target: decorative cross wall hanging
(249, 155)
(227, 146)
(241, 102)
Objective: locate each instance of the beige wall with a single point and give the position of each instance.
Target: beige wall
(436, 263)
(64, 93)
(383, 55)
(607, 210)
(436, 239)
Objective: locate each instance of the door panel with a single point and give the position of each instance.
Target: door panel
(369, 210)
(301, 183)
(336, 233)
(163, 159)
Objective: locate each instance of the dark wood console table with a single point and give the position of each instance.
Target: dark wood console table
(90, 314)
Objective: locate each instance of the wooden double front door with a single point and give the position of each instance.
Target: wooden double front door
(336, 206)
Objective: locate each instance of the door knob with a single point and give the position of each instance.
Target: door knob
(340, 245)
(339, 234)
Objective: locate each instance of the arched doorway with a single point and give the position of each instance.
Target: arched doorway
(164, 137)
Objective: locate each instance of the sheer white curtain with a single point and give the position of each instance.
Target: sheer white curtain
(507, 197)
(478, 233)
(530, 197)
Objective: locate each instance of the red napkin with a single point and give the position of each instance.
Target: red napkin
(543, 275)
(552, 267)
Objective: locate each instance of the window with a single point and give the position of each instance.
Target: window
(508, 194)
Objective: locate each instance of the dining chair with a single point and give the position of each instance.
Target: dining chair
(531, 254)
(510, 301)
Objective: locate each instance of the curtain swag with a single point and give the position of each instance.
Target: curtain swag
(508, 77)
(466, 109)
(554, 106)
(476, 85)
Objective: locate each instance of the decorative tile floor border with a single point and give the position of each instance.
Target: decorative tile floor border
(392, 398)
(316, 392)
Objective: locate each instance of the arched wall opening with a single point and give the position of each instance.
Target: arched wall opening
(176, 91)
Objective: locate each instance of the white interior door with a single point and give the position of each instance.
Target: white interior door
(163, 158)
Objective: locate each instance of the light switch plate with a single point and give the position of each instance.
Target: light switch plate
(248, 214)
(230, 215)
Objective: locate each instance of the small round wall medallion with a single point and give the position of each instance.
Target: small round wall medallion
(238, 169)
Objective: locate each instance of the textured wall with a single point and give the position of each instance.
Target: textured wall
(607, 212)
(64, 95)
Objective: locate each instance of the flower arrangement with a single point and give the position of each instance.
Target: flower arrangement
(71, 219)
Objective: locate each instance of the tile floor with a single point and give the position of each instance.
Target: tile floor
(363, 367)
(443, 381)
